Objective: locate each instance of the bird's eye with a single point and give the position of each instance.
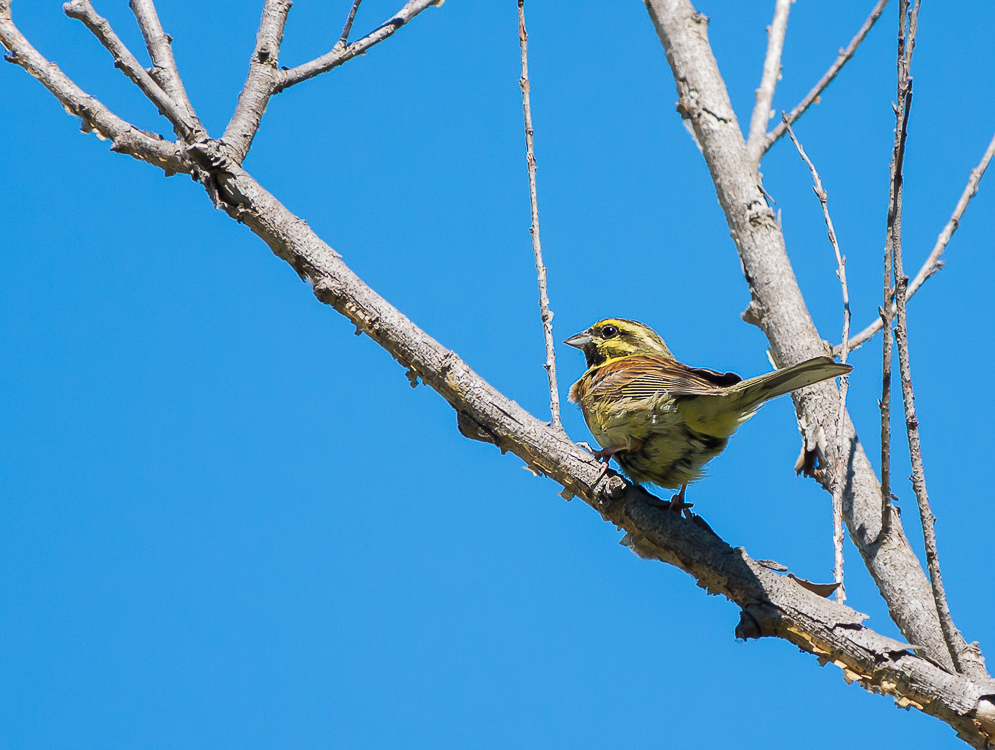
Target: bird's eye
(609, 332)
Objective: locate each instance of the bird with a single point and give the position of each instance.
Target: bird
(662, 420)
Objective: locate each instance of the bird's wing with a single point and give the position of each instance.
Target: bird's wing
(641, 376)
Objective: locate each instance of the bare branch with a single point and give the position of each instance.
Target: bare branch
(348, 24)
(339, 55)
(258, 88)
(768, 82)
(779, 308)
(933, 262)
(906, 44)
(812, 96)
(126, 138)
(773, 605)
(839, 484)
(164, 70)
(547, 315)
(83, 11)
(884, 404)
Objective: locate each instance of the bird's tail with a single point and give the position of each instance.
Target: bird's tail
(753, 392)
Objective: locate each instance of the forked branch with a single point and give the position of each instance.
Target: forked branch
(126, 138)
(82, 10)
(265, 79)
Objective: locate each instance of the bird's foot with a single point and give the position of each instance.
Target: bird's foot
(678, 505)
(605, 454)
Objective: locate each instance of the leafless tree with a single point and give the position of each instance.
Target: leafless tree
(936, 671)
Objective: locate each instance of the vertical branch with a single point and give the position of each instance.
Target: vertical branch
(768, 82)
(840, 473)
(906, 44)
(887, 311)
(547, 316)
(885, 402)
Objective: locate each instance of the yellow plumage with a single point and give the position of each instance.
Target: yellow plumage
(660, 419)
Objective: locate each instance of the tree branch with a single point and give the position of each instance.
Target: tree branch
(347, 27)
(839, 470)
(125, 137)
(773, 605)
(547, 315)
(252, 101)
(780, 310)
(933, 262)
(768, 82)
(83, 11)
(340, 54)
(952, 636)
(164, 70)
(812, 96)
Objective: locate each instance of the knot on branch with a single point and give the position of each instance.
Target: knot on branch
(470, 428)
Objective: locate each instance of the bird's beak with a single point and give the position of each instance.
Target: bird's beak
(579, 340)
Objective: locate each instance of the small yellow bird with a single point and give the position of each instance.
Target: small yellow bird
(660, 419)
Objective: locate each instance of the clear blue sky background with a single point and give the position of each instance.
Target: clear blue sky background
(226, 521)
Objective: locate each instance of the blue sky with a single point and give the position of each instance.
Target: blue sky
(227, 521)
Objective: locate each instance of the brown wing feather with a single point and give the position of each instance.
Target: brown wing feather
(640, 376)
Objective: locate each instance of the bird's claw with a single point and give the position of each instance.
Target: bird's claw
(678, 505)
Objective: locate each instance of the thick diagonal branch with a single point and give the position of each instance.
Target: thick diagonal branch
(780, 310)
(773, 605)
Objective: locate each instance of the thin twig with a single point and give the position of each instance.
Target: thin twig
(82, 10)
(884, 404)
(339, 55)
(839, 486)
(842, 59)
(258, 88)
(126, 138)
(769, 79)
(164, 69)
(933, 262)
(906, 45)
(348, 24)
(547, 315)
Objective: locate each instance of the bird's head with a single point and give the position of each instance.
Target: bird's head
(614, 338)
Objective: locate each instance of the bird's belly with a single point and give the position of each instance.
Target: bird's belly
(659, 446)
